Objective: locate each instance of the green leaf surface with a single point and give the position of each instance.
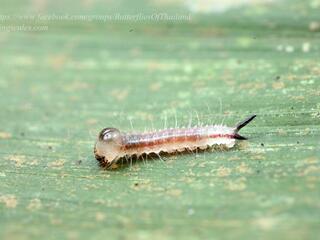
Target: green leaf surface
(60, 87)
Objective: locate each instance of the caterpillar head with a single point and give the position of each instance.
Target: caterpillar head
(108, 146)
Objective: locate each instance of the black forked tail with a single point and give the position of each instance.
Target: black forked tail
(241, 125)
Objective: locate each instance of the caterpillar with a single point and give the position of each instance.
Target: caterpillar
(113, 145)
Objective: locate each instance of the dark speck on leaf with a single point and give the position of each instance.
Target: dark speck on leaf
(258, 171)
(22, 134)
(277, 77)
(136, 184)
(79, 162)
(298, 142)
(50, 147)
(262, 144)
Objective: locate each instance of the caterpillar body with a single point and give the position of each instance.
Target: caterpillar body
(113, 145)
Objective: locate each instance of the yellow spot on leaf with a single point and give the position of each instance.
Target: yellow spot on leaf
(310, 170)
(243, 168)
(34, 204)
(298, 98)
(314, 26)
(10, 201)
(100, 216)
(265, 223)
(278, 85)
(57, 164)
(5, 135)
(17, 159)
(236, 185)
(311, 160)
(175, 192)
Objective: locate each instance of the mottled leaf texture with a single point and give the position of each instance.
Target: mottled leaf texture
(222, 62)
